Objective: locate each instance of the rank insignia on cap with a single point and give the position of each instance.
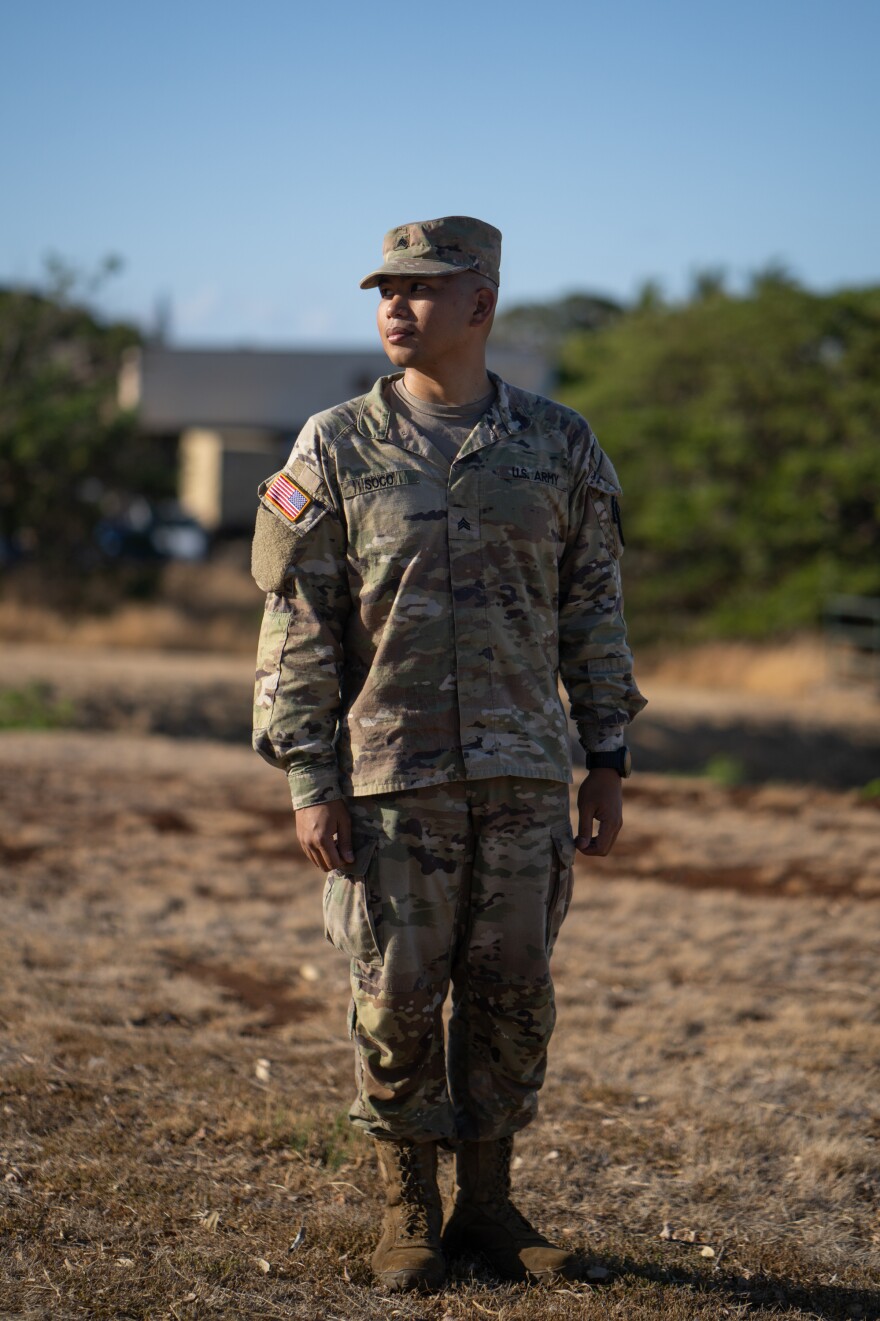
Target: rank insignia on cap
(287, 496)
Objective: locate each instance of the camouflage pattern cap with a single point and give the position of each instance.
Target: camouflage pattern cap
(440, 247)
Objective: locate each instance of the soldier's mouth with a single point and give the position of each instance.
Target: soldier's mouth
(396, 333)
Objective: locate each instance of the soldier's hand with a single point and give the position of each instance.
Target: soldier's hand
(600, 798)
(324, 833)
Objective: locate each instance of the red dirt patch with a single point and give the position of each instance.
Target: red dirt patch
(276, 998)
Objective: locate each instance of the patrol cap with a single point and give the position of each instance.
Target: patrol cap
(439, 247)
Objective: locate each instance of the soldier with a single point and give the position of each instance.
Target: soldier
(436, 554)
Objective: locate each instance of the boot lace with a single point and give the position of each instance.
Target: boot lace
(500, 1192)
(415, 1205)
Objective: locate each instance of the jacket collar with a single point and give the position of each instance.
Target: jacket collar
(508, 414)
(374, 415)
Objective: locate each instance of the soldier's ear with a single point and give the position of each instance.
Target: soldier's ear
(484, 306)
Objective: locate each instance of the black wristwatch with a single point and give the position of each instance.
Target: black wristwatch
(619, 760)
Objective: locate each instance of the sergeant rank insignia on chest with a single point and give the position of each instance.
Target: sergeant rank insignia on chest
(286, 496)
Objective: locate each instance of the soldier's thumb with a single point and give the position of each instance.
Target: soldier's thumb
(343, 836)
(585, 827)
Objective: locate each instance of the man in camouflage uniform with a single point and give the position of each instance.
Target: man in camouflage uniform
(436, 554)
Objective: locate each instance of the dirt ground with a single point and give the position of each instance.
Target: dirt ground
(175, 1073)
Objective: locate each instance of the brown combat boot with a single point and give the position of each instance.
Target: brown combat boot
(484, 1219)
(409, 1255)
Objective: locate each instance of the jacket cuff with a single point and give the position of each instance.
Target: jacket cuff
(311, 787)
(608, 739)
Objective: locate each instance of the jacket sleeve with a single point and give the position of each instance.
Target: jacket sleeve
(595, 660)
(300, 562)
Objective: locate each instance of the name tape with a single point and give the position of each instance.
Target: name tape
(377, 481)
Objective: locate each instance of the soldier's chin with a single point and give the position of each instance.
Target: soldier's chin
(401, 355)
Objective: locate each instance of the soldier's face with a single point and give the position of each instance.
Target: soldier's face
(424, 321)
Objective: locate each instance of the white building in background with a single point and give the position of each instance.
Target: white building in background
(236, 412)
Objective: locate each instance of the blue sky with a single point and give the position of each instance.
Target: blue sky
(244, 159)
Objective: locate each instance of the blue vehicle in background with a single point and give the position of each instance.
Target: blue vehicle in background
(146, 532)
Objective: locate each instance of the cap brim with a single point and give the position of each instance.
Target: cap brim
(415, 266)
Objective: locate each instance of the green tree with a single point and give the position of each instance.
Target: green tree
(745, 431)
(542, 327)
(68, 454)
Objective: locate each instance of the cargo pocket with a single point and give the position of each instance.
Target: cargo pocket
(561, 884)
(348, 920)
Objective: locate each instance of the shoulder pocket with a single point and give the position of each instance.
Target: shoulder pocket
(272, 550)
(607, 507)
(605, 494)
(292, 501)
(605, 478)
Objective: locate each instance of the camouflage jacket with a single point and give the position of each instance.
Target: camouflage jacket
(419, 615)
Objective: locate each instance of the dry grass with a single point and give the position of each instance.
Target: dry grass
(791, 669)
(216, 607)
(211, 607)
(175, 1070)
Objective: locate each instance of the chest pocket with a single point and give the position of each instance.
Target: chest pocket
(526, 500)
(390, 515)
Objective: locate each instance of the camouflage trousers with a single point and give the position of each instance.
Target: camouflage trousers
(465, 884)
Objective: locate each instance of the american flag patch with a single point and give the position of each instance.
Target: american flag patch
(287, 496)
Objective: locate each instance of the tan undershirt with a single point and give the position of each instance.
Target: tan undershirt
(445, 426)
